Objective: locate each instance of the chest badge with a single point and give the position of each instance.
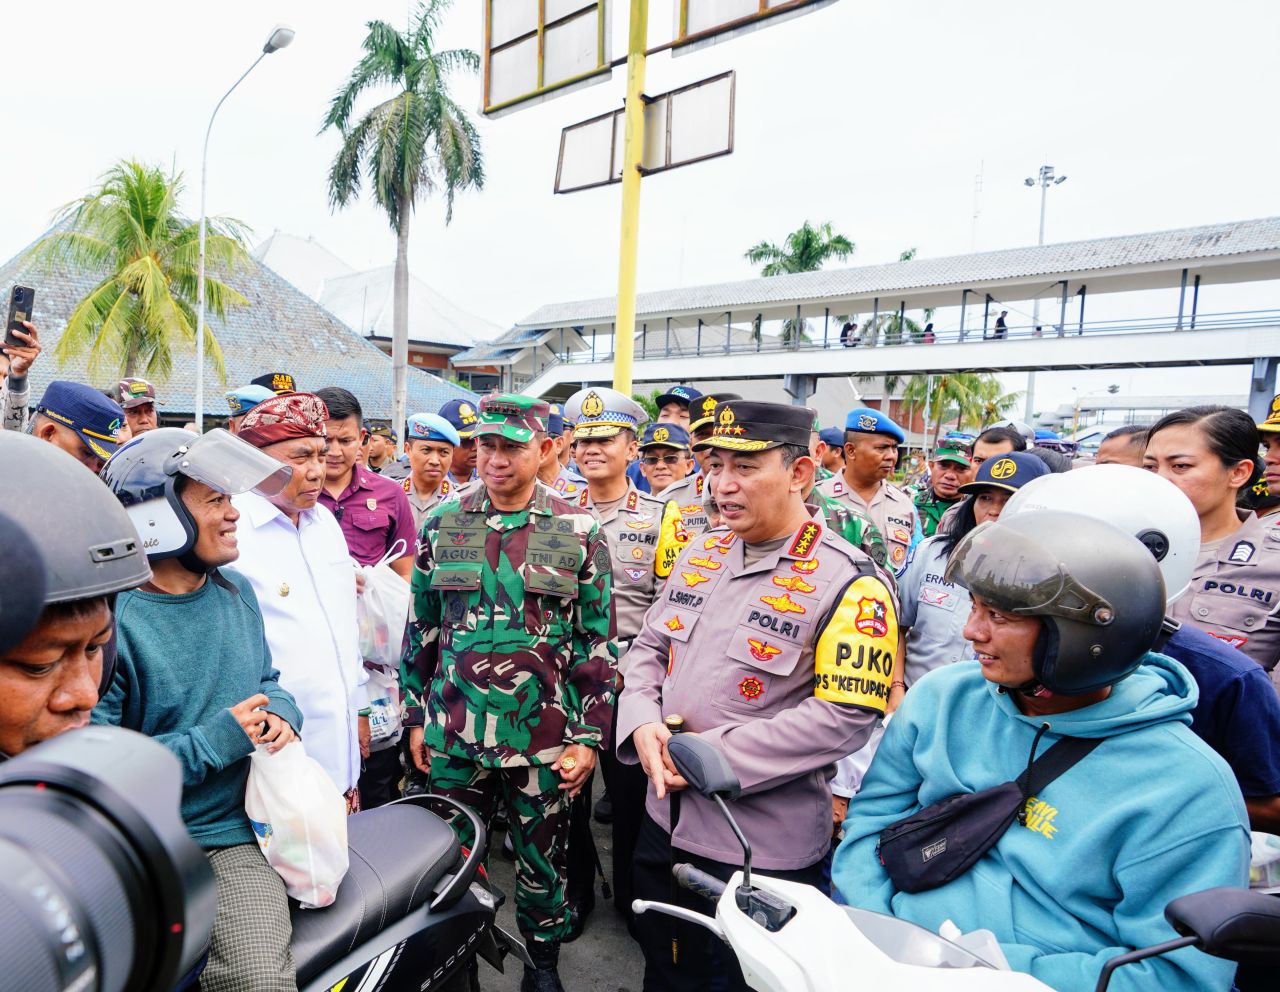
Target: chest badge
(793, 583)
(782, 604)
(805, 567)
(674, 624)
(284, 588)
(371, 503)
(706, 563)
(634, 574)
(637, 553)
(871, 619)
(762, 650)
(694, 579)
(751, 687)
(1241, 553)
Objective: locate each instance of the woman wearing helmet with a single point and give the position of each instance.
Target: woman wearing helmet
(1065, 609)
(194, 672)
(50, 676)
(1238, 712)
(933, 609)
(1211, 454)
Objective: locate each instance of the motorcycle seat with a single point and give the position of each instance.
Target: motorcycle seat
(398, 855)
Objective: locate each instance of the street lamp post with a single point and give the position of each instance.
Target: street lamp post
(1045, 180)
(279, 38)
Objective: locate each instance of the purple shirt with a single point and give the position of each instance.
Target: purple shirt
(374, 513)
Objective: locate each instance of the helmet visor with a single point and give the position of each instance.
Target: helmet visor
(228, 465)
(1016, 574)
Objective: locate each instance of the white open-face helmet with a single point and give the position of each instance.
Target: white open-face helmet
(1141, 503)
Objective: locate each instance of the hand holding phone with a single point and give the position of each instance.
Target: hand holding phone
(21, 302)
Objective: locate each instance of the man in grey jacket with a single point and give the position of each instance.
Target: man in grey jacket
(15, 363)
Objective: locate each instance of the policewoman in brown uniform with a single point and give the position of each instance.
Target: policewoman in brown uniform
(774, 638)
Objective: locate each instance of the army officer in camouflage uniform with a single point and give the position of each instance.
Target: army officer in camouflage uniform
(774, 638)
(511, 660)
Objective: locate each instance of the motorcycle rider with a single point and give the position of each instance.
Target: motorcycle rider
(1065, 609)
(194, 672)
(1238, 712)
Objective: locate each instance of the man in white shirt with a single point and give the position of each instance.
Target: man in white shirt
(294, 554)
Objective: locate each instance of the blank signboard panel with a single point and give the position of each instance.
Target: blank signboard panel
(535, 46)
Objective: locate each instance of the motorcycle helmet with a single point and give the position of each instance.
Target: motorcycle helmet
(1141, 503)
(1097, 590)
(144, 476)
(22, 583)
(89, 545)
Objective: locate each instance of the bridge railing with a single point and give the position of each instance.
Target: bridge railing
(824, 334)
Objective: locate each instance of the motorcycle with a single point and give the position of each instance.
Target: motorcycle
(413, 912)
(782, 932)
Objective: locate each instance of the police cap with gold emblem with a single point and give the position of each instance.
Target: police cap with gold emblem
(701, 409)
(1272, 424)
(599, 412)
(665, 436)
(512, 416)
(462, 414)
(1008, 472)
(743, 425)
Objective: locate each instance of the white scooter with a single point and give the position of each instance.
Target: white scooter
(783, 933)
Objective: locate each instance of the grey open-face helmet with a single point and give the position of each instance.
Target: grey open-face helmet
(22, 583)
(90, 547)
(1097, 589)
(144, 476)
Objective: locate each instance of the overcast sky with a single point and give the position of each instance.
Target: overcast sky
(875, 115)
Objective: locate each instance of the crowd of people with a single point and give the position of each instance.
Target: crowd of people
(585, 583)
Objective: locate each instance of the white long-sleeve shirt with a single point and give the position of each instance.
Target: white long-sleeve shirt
(305, 583)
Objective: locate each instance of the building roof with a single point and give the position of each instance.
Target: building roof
(304, 262)
(1184, 245)
(281, 330)
(365, 301)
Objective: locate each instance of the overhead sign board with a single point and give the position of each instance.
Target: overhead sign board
(686, 125)
(702, 19)
(534, 47)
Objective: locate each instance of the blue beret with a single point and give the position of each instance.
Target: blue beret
(244, 399)
(432, 427)
(865, 420)
(833, 436)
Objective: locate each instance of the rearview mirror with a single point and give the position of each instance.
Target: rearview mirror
(1235, 924)
(704, 766)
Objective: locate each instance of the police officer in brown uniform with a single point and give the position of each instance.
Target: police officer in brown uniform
(774, 638)
(870, 454)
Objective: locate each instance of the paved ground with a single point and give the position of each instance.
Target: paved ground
(603, 959)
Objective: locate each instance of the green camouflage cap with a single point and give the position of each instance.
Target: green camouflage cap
(952, 453)
(515, 417)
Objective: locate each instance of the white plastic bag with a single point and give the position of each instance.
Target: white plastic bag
(382, 611)
(300, 819)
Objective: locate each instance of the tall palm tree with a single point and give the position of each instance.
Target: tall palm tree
(972, 398)
(805, 249)
(416, 141)
(129, 229)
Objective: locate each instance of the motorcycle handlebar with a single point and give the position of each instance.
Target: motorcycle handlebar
(696, 880)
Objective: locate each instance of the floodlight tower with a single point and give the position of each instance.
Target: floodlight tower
(1045, 180)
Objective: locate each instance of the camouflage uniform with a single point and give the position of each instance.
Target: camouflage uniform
(854, 526)
(931, 510)
(510, 658)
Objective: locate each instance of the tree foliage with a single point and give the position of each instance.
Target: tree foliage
(805, 249)
(143, 308)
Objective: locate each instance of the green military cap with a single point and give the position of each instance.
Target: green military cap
(515, 417)
(744, 425)
(950, 453)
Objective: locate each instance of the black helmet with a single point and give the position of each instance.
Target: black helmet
(22, 583)
(89, 546)
(144, 473)
(1098, 590)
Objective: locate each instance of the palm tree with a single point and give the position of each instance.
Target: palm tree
(415, 142)
(972, 398)
(144, 306)
(806, 249)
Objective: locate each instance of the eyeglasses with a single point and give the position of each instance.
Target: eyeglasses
(652, 460)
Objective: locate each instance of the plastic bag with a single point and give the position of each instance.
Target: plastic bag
(300, 819)
(384, 705)
(382, 611)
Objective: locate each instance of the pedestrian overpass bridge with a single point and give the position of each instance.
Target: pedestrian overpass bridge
(745, 329)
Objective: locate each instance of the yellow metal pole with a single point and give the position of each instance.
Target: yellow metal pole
(632, 157)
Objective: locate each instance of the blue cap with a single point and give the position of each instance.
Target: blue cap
(463, 416)
(833, 436)
(865, 420)
(431, 427)
(664, 435)
(244, 399)
(678, 394)
(1044, 435)
(86, 411)
(1008, 472)
(555, 419)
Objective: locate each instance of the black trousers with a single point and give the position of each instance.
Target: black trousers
(628, 785)
(702, 961)
(380, 777)
(581, 874)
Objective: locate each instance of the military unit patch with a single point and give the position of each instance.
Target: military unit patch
(751, 687)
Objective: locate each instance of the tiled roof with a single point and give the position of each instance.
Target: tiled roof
(1213, 240)
(281, 330)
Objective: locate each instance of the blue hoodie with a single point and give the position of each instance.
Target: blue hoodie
(1150, 815)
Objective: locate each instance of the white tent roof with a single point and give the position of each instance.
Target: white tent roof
(305, 263)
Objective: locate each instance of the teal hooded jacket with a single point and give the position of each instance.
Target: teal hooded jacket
(1150, 815)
